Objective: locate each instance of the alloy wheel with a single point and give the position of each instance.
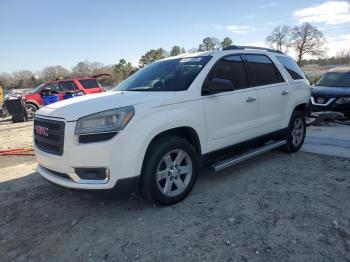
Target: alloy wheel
(174, 173)
(298, 132)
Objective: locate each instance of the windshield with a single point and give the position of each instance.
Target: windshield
(168, 75)
(37, 89)
(333, 79)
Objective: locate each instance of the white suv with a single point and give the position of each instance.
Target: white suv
(157, 128)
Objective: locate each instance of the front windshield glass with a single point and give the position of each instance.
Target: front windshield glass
(333, 79)
(168, 75)
(36, 89)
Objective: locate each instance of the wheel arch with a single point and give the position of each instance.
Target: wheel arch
(301, 107)
(33, 103)
(186, 132)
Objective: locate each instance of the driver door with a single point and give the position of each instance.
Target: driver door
(232, 116)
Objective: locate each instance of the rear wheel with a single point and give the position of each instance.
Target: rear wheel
(296, 132)
(170, 170)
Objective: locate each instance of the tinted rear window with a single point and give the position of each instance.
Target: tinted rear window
(89, 83)
(264, 70)
(292, 67)
(230, 68)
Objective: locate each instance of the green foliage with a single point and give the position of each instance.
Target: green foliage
(151, 56)
(176, 50)
(122, 70)
(209, 44)
(313, 79)
(226, 42)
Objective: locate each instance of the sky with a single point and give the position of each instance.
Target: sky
(39, 33)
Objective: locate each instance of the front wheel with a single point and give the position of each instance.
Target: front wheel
(170, 170)
(296, 132)
(31, 109)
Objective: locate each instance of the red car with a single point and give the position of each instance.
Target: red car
(87, 85)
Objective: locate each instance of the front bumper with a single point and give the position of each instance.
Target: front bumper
(329, 105)
(123, 186)
(118, 156)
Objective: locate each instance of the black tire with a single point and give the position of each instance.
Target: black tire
(293, 143)
(31, 109)
(154, 159)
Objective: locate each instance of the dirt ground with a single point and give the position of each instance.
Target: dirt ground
(16, 135)
(275, 207)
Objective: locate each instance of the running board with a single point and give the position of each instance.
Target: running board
(237, 159)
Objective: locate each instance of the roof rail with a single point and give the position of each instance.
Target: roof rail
(237, 47)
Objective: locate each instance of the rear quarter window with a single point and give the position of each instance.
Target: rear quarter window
(89, 83)
(264, 70)
(291, 66)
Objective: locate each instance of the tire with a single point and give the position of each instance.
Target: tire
(169, 171)
(31, 109)
(296, 132)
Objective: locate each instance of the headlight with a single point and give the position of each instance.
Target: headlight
(343, 100)
(104, 122)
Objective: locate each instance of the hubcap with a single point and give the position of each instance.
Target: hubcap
(31, 110)
(298, 132)
(174, 172)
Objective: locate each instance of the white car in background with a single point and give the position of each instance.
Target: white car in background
(155, 129)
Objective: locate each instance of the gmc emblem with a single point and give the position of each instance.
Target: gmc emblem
(41, 130)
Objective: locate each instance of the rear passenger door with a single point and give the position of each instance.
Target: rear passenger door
(66, 86)
(232, 116)
(273, 91)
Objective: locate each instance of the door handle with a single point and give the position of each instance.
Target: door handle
(250, 99)
(284, 92)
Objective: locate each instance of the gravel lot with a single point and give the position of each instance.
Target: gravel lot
(275, 207)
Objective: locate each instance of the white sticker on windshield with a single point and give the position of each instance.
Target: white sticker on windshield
(191, 59)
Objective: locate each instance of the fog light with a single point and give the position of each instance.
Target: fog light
(92, 173)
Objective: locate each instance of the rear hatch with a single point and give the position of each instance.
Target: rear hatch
(90, 85)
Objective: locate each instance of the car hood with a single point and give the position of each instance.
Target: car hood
(74, 108)
(326, 91)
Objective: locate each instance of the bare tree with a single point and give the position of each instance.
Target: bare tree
(54, 72)
(307, 40)
(343, 56)
(23, 79)
(81, 69)
(6, 80)
(280, 38)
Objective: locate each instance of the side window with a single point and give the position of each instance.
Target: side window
(89, 83)
(67, 86)
(264, 70)
(52, 86)
(291, 67)
(230, 68)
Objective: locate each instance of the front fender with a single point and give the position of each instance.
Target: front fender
(165, 118)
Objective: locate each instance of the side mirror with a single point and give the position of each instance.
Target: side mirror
(218, 85)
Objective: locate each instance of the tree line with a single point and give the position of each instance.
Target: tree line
(305, 39)
(118, 72)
